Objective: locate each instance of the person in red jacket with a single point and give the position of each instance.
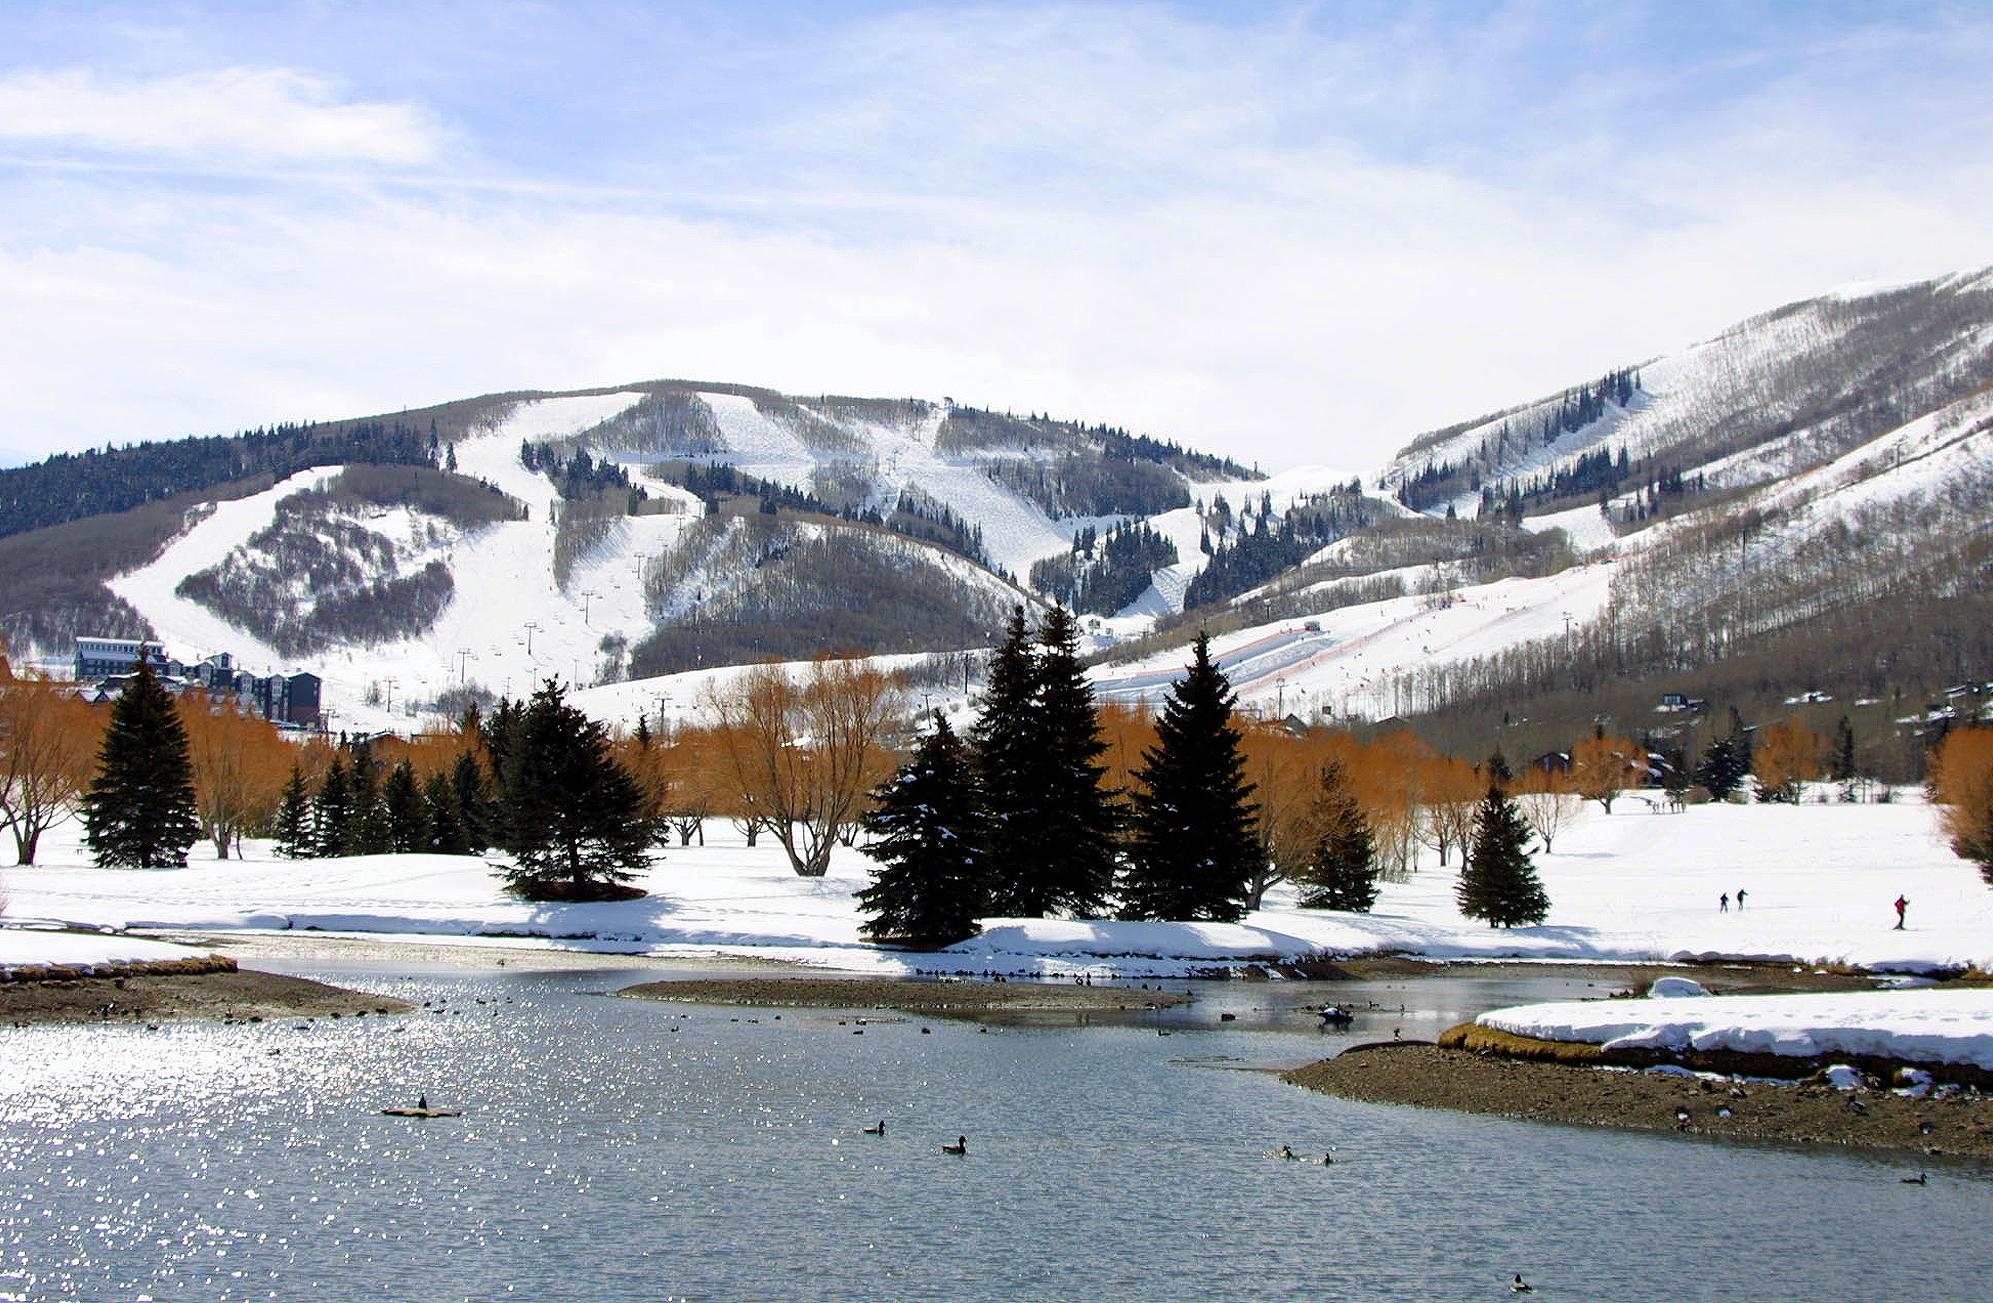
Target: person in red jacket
(1902, 903)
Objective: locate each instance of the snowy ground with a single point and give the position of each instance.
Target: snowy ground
(1630, 886)
(1917, 1025)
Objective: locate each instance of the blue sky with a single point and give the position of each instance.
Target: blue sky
(1291, 232)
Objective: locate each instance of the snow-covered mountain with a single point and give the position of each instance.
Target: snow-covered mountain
(1821, 466)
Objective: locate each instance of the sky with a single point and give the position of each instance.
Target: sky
(1292, 233)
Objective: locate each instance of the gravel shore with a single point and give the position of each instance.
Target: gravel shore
(228, 996)
(1432, 1077)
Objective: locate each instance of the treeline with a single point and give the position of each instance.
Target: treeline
(1086, 484)
(1104, 573)
(913, 514)
(738, 589)
(576, 474)
(1438, 481)
(71, 486)
(1245, 556)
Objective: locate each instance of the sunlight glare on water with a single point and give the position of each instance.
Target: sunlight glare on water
(614, 1149)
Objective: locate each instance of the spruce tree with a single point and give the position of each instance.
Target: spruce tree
(1076, 822)
(367, 825)
(929, 890)
(1341, 870)
(443, 829)
(1498, 882)
(1191, 848)
(471, 793)
(573, 817)
(1727, 761)
(1843, 769)
(139, 811)
(293, 818)
(332, 810)
(401, 801)
(1005, 757)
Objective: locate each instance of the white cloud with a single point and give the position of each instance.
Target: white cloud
(1264, 241)
(261, 114)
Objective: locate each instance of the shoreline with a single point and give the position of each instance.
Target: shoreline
(147, 995)
(1433, 1076)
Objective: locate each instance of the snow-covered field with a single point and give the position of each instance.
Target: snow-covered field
(1921, 1026)
(1631, 886)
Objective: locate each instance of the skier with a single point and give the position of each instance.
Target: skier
(1740, 898)
(1902, 903)
(1723, 903)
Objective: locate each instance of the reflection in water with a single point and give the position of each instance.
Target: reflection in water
(616, 1149)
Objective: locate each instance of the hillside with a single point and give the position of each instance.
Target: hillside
(1796, 508)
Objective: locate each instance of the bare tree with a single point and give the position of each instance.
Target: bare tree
(1547, 805)
(804, 752)
(48, 747)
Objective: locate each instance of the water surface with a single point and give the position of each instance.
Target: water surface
(616, 1149)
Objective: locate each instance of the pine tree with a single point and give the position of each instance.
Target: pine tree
(1843, 769)
(472, 796)
(1341, 870)
(402, 803)
(1005, 757)
(573, 817)
(1727, 761)
(332, 810)
(293, 818)
(1498, 882)
(139, 811)
(1076, 822)
(929, 890)
(442, 826)
(367, 825)
(1191, 849)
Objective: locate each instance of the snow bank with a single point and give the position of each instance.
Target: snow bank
(28, 947)
(1916, 1026)
(1631, 886)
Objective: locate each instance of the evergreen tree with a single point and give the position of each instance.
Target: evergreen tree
(573, 818)
(293, 819)
(443, 828)
(1498, 881)
(1341, 870)
(402, 803)
(928, 891)
(139, 811)
(471, 795)
(1843, 767)
(1191, 849)
(1727, 761)
(1076, 821)
(332, 810)
(367, 825)
(1005, 757)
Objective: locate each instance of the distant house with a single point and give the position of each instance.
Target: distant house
(102, 658)
(1552, 762)
(109, 663)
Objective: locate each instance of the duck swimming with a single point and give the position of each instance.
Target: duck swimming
(1521, 1286)
(879, 1130)
(961, 1146)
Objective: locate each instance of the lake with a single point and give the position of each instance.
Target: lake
(616, 1149)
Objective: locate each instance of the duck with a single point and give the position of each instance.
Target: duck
(1921, 1178)
(961, 1146)
(879, 1130)
(1521, 1286)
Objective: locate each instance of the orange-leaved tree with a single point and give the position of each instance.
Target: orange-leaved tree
(48, 754)
(240, 765)
(1787, 755)
(1962, 778)
(1602, 767)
